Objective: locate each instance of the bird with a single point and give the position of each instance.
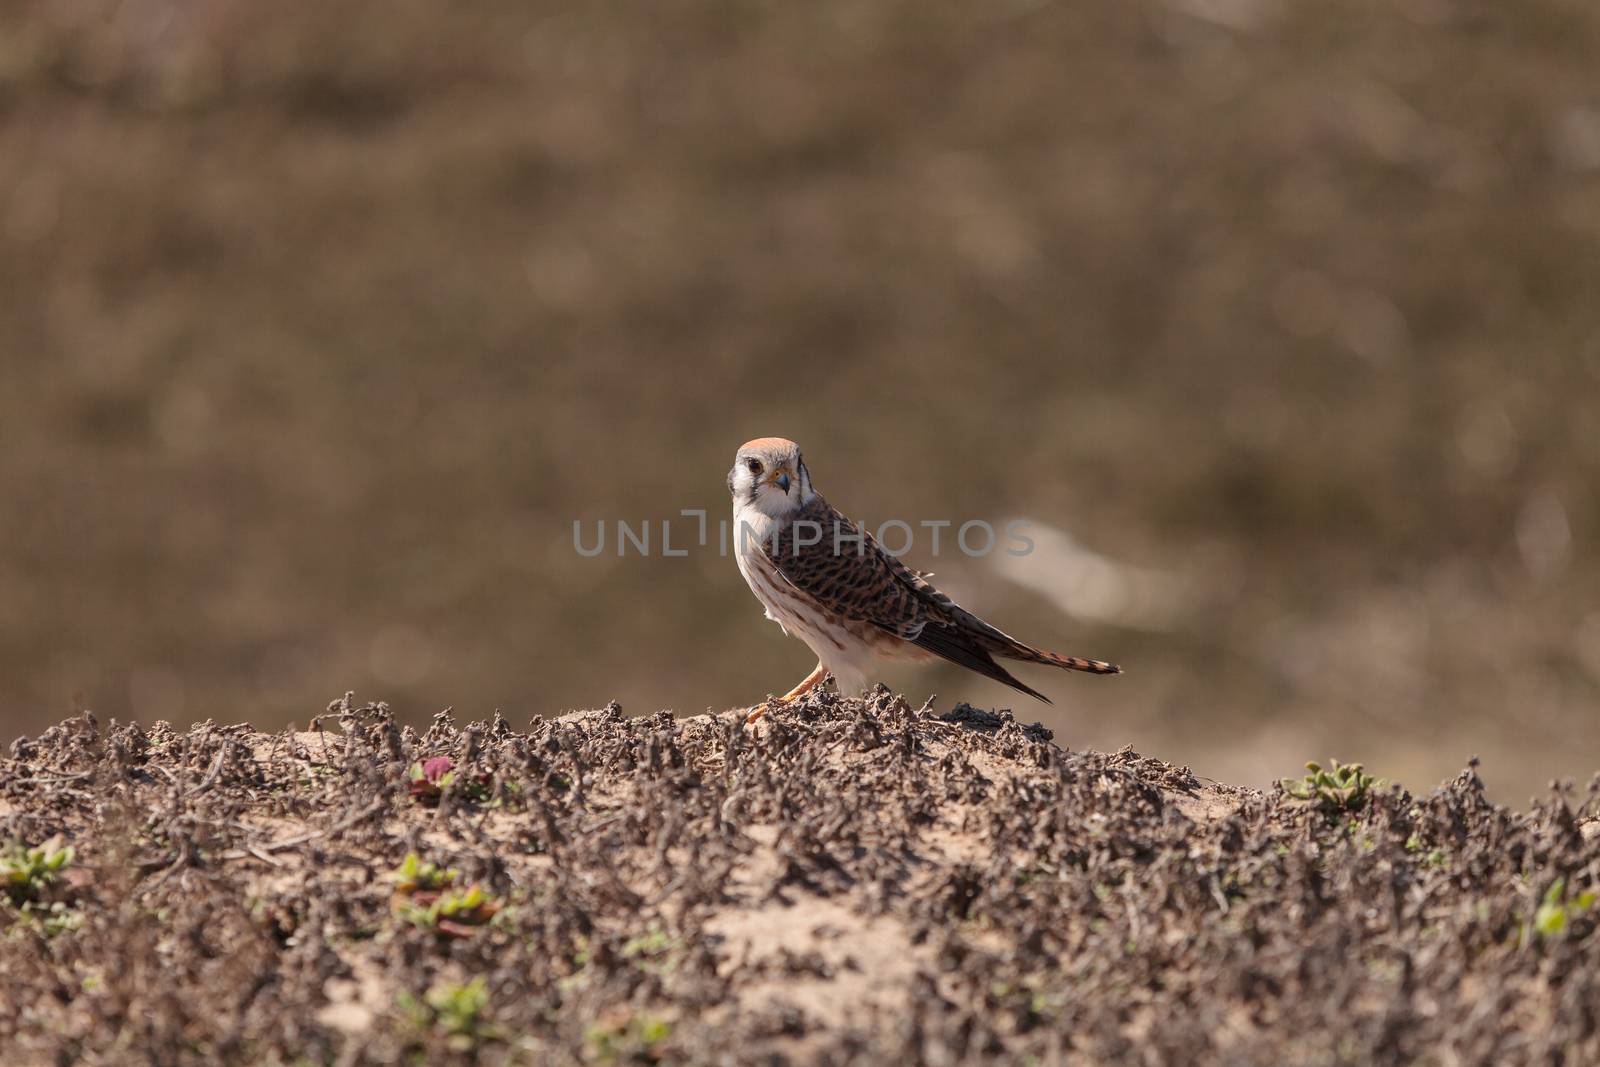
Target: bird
(828, 582)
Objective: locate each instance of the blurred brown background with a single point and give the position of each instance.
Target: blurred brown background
(322, 324)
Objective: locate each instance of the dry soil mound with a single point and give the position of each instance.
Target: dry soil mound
(850, 881)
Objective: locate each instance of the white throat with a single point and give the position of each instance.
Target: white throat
(752, 524)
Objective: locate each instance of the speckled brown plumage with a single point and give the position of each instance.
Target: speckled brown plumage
(841, 568)
(827, 582)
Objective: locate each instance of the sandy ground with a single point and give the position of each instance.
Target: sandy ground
(849, 881)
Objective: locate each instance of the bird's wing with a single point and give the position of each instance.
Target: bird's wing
(839, 566)
(843, 568)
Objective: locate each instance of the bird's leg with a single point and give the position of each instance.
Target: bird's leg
(808, 683)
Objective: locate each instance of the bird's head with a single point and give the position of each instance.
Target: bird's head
(769, 475)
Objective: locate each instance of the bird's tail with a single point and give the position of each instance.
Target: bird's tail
(976, 651)
(1074, 663)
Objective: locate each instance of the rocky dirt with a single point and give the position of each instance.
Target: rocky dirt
(850, 881)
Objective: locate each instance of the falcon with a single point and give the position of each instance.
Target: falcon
(828, 582)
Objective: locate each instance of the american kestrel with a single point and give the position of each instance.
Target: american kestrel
(829, 583)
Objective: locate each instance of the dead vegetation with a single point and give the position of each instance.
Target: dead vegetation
(853, 881)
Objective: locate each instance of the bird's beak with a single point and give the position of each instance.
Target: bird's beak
(780, 479)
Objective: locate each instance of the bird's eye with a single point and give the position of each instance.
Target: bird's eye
(753, 465)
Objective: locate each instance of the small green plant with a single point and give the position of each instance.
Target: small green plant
(457, 1011)
(428, 779)
(26, 874)
(1025, 993)
(415, 874)
(1432, 858)
(1558, 910)
(27, 878)
(50, 919)
(640, 1036)
(454, 912)
(1343, 787)
(427, 896)
(651, 951)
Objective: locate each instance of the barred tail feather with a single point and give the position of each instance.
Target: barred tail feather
(1016, 650)
(1074, 663)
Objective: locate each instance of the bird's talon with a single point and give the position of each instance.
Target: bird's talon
(759, 712)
